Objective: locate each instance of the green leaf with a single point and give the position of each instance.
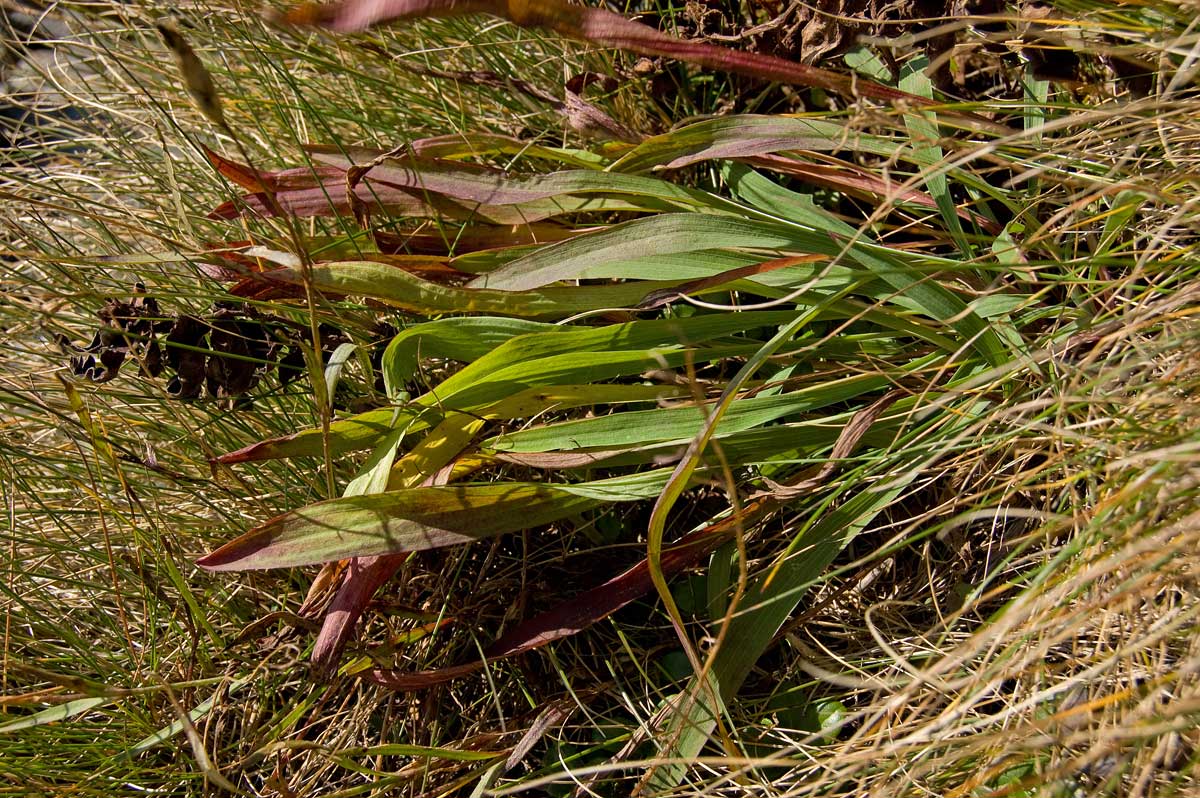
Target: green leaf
(415, 520)
(536, 400)
(193, 715)
(346, 435)
(399, 289)
(333, 368)
(928, 153)
(55, 714)
(579, 367)
(767, 604)
(679, 424)
(762, 192)
(373, 475)
(1005, 248)
(745, 135)
(929, 296)
(643, 238)
(496, 376)
(462, 339)
(1124, 207)
(865, 62)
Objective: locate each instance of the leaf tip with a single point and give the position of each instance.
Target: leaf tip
(214, 562)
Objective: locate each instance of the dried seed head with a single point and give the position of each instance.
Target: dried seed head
(195, 76)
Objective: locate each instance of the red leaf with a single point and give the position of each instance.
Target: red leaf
(598, 603)
(329, 198)
(363, 576)
(356, 16)
(420, 680)
(568, 618)
(259, 181)
(607, 29)
(451, 145)
(576, 614)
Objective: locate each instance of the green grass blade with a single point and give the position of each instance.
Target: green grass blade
(763, 609)
(55, 714)
(928, 154)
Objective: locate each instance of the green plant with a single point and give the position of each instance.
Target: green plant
(791, 333)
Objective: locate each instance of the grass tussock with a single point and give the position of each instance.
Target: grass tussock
(990, 590)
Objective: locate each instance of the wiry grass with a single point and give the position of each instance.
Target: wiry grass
(1020, 619)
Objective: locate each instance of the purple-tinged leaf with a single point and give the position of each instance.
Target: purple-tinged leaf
(257, 180)
(412, 681)
(363, 576)
(600, 27)
(744, 136)
(345, 436)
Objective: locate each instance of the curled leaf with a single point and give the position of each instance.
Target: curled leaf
(363, 576)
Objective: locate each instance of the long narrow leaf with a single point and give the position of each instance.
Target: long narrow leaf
(597, 26)
(679, 424)
(405, 291)
(595, 604)
(497, 369)
(56, 713)
(492, 188)
(414, 520)
(745, 135)
(764, 609)
(640, 238)
(462, 339)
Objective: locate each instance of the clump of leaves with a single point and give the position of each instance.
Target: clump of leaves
(750, 340)
(762, 418)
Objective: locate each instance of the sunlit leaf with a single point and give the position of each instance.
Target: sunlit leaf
(745, 135)
(415, 520)
(55, 714)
